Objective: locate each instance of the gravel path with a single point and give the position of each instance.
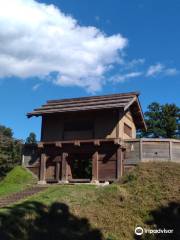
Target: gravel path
(16, 197)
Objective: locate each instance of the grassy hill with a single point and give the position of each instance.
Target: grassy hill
(149, 196)
(16, 180)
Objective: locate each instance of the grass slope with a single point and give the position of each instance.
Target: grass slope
(149, 196)
(16, 180)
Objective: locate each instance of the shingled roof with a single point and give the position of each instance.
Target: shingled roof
(124, 101)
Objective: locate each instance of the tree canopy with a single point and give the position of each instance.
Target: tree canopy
(10, 150)
(31, 138)
(163, 121)
(5, 131)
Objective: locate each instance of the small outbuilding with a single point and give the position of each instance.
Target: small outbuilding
(82, 139)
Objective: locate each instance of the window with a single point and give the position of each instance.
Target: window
(127, 130)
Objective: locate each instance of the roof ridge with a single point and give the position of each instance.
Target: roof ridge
(96, 96)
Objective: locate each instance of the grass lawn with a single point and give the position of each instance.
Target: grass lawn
(149, 196)
(16, 180)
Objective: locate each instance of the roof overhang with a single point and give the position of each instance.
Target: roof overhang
(123, 101)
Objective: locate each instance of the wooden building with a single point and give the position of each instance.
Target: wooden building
(82, 139)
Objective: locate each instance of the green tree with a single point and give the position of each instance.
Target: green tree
(31, 138)
(162, 121)
(10, 150)
(6, 131)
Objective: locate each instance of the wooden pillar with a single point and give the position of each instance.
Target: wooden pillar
(64, 167)
(23, 161)
(57, 170)
(119, 170)
(95, 169)
(69, 173)
(43, 169)
(170, 150)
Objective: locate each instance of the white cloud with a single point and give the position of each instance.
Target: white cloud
(36, 87)
(130, 70)
(171, 71)
(160, 68)
(38, 39)
(154, 69)
(124, 77)
(134, 63)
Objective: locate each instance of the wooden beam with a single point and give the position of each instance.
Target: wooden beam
(95, 169)
(130, 103)
(81, 180)
(43, 168)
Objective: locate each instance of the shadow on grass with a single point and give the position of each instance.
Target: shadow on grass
(165, 217)
(35, 221)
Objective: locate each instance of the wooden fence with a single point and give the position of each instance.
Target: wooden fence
(145, 149)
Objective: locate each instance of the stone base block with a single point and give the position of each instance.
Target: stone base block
(105, 183)
(95, 182)
(42, 182)
(64, 181)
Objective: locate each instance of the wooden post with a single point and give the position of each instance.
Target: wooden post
(42, 169)
(57, 170)
(95, 167)
(140, 150)
(170, 150)
(119, 164)
(64, 168)
(23, 160)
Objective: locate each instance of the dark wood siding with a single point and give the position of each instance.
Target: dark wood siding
(107, 165)
(50, 172)
(84, 125)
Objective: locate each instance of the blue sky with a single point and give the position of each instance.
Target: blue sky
(144, 57)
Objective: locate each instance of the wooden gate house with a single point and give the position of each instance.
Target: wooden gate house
(83, 139)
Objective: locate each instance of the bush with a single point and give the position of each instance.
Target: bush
(130, 177)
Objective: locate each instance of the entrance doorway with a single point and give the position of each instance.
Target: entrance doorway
(81, 166)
